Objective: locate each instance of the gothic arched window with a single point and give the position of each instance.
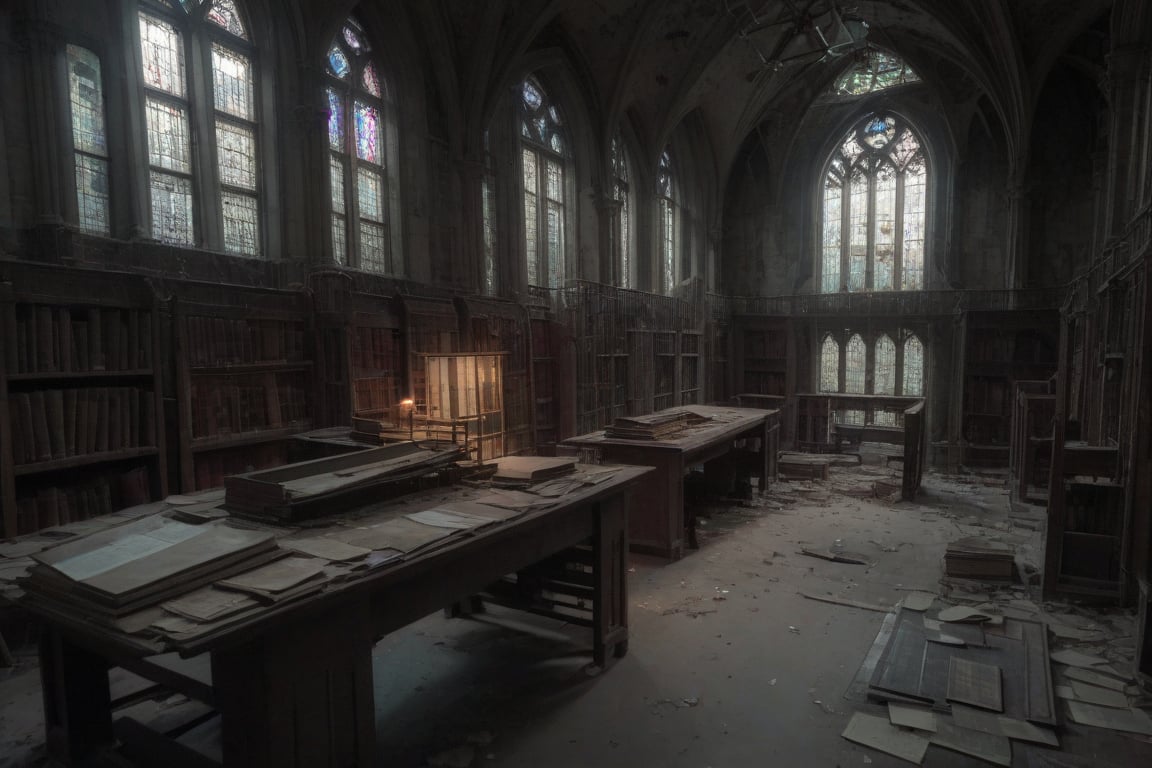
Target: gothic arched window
(622, 232)
(913, 367)
(884, 370)
(669, 235)
(201, 153)
(89, 139)
(829, 365)
(855, 356)
(873, 212)
(362, 157)
(543, 156)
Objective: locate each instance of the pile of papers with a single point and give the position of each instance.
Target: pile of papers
(656, 426)
(528, 470)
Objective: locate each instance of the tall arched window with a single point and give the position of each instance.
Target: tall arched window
(362, 157)
(89, 139)
(855, 356)
(669, 233)
(913, 367)
(203, 160)
(829, 365)
(543, 152)
(873, 212)
(884, 371)
(622, 234)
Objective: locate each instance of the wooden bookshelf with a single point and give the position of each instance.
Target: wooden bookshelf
(245, 379)
(81, 405)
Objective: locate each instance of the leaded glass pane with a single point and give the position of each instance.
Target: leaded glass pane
(172, 209)
(232, 82)
(913, 367)
(373, 247)
(885, 372)
(555, 244)
(236, 153)
(370, 80)
(370, 194)
(337, 185)
(555, 179)
(878, 131)
(915, 184)
(851, 149)
(352, 38)
(338, 63)
(905, 148)
(168, 141)
(367, 120)
(531, 221)
(829, 365)
(162, 52)
(533, 99)
(883, 417)
(487, 203)
(664, 183)
(625, 240)
(86, 94)
(668, 244)
(223, 13)
(619, 160)
(884, 229)
(335, 121)
(241, 223)
(339, 239)
(833, 224)
(854, 362)
(853, 416)
(858, 232)
(92, 193)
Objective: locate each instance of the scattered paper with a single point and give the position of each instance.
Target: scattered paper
(918, 601)
(1127, 720)
(879, 734)
(1102, 696)
(1077, 659)
(325, 548)
(911, 717)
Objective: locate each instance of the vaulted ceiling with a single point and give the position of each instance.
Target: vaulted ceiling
(651, 62)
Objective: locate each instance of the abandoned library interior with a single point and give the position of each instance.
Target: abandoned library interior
(572, 383)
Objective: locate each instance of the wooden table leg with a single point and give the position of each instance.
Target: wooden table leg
(610, 612)
(300, 696)
(77, 700)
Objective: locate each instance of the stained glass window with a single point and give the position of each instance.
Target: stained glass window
(223, 13)
(89, 139)
(623, 224)
(488, 212)
(543, 164)
(829, 365)
(363, 195)
(884, 371)
(180, 158)
(666, 188)
(854, 362)
(873, 70)
(913, 367)
(873, 212)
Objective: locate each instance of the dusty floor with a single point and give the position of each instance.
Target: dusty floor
(729, 664)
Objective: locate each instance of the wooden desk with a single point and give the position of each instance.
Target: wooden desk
(657, 523)
(293, 683)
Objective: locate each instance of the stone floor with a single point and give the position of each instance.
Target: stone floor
(728, 664)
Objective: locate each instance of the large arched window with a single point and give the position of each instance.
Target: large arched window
(203, 161)
(872, 365)
(362, 157)
(873, 212)
(669, 234)
(543, 153)
(622, 231)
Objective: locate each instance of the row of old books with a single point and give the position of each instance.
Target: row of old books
(51, 506)
(376, 349)
(218, 341)
(656, 426)
(374, 395)
(52, 339)
(231, 405)
(58, 423)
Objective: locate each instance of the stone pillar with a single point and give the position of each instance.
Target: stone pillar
(1126, 76)
(609, 269)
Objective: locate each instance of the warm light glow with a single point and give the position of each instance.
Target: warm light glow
(407, 402)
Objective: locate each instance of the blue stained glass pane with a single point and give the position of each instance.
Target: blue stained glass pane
(337, 62)
(367, 133)
(335, 121)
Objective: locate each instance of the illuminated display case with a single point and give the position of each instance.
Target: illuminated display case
(463, 402)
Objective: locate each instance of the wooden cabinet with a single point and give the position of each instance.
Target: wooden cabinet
(245, 381)
(81, 409)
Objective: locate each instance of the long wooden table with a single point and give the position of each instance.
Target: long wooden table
(657, 523)
(293, 684)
